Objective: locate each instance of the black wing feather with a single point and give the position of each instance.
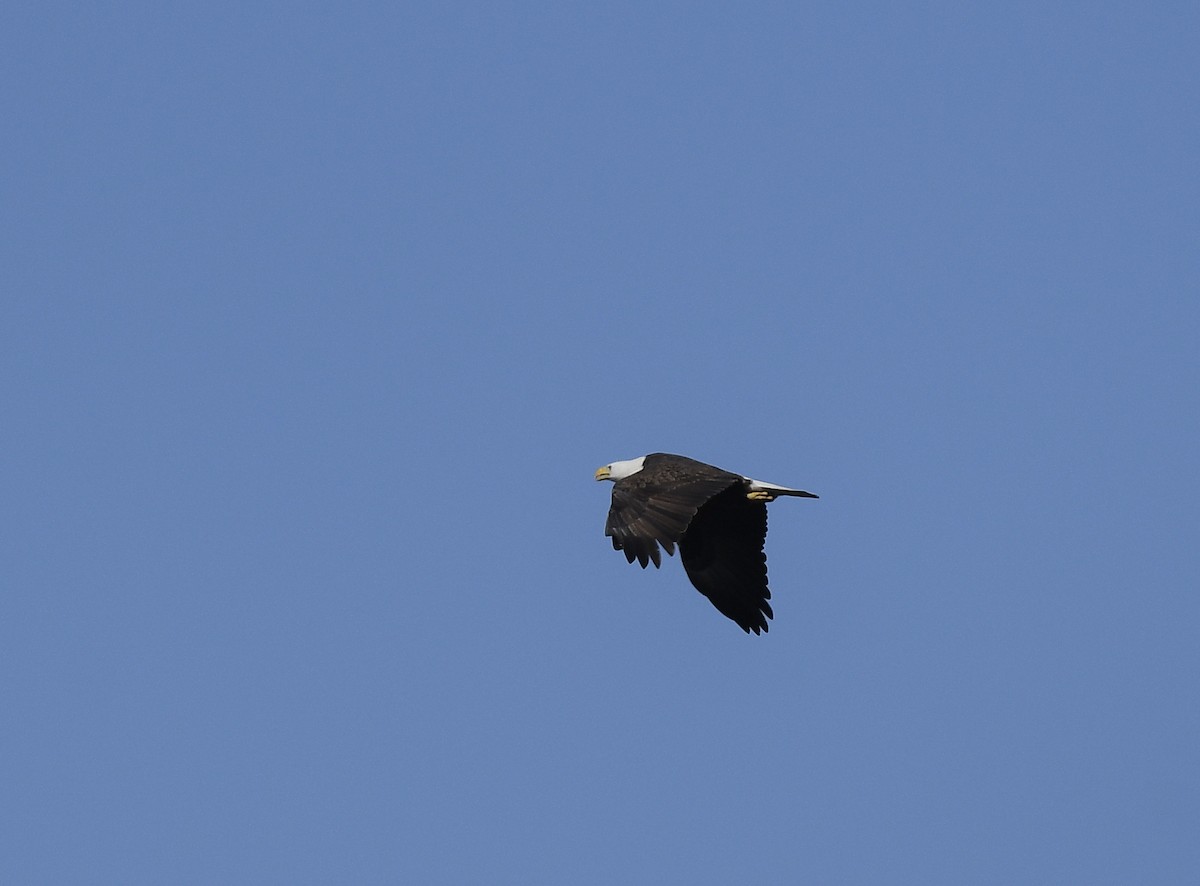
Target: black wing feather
(722, 554)
(646, 513)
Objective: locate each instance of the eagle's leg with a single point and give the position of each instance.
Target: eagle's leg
(761, 495)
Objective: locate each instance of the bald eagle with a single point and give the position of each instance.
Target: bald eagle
(718, 519)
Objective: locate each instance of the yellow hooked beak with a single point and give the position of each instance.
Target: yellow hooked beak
(602, 473)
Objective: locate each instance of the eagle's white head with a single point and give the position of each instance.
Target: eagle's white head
(619, 470)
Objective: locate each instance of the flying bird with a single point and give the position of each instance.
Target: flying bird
(718, 519)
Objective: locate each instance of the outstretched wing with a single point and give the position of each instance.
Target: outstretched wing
(646, 514)
(722, 554)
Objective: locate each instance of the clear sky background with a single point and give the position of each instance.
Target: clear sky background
(318, 319)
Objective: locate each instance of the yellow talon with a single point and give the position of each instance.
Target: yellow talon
(760, 495)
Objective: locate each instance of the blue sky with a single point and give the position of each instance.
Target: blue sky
(319, 319)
